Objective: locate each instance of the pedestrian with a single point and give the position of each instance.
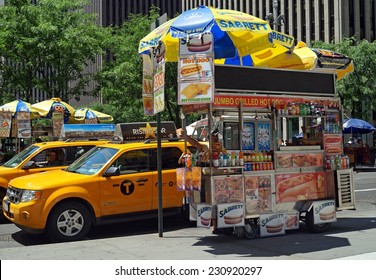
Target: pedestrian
(1, 158)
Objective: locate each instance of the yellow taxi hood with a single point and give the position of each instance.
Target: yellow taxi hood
(47, 180)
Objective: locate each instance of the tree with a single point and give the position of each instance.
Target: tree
(356, 90)
(47, 47)
(120, 79)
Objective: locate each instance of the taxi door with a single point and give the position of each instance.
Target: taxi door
(131, 191)
(171, 196)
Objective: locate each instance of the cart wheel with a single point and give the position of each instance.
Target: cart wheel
(316, 228)
(250, 231)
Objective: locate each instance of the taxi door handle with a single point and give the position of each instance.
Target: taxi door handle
(142, 180)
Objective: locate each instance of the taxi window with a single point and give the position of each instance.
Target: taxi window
(170, 158)
(41, 159)
(75, 152)
(133, 161)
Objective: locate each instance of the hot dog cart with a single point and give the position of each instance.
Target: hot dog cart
(276, 153)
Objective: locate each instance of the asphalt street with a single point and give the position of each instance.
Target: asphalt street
(353, 236)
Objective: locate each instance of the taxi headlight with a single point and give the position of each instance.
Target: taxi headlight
(28, 195)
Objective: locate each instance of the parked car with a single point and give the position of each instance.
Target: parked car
(34, 159)
(113, 182)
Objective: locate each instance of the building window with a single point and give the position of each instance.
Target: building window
(295, 18)
(312, 22)
(373, 21)
(322, 21)
(304, 23)
(287, 18)
(351, 18)
(362, 20)
(331, 21)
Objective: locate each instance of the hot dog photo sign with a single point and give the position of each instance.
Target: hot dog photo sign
(272, 224)
(204, 213)
(198, 44)
(324, 211)
(230, 215)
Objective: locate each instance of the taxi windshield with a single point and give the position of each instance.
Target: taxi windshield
(92, 161)
(19, 158)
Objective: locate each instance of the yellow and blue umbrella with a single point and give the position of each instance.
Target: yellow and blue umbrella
(19, 106)
(233, 32)
(301, 58)
(86, 113)
(47, 107)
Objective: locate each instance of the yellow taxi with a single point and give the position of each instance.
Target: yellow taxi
(112, 182)
(36, 159)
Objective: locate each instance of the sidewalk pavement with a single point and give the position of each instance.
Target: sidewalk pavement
(350, 238)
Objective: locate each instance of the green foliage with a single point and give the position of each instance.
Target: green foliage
(121, 77)
(47, 46)
(356, 90)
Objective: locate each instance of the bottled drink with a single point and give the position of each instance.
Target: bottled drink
(241, 159)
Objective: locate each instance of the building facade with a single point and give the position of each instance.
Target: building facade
(115, 12)
(309, 20)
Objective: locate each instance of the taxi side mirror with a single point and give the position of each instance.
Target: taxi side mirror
(112, 171)
(29, 164)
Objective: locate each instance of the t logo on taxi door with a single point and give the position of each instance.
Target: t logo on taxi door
(127, 187)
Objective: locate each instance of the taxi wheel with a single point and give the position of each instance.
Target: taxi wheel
(69, 221)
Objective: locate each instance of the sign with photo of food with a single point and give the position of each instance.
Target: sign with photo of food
(324, 211)
(272, 224)
(199, 44)
(195, 67)
(57, 123)
(23, 125)
(5, 124)
(204, 213)
(147, 85)
(227, 189)
(292, 220)
(333, 144)
(308, 159)
(300, 186)
(230, 215)
(258, 194)
(199, 91)
(159, 83)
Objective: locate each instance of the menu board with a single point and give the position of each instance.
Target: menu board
(228, 189)
(293, 187)
(258, 194)
(196, 71)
